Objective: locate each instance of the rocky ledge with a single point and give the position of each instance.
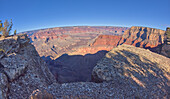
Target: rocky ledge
(21, 68)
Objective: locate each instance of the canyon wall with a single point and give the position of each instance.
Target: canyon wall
(143, 37)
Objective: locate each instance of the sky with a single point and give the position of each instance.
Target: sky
(38, 14)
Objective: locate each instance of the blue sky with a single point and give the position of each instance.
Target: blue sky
(38, 14)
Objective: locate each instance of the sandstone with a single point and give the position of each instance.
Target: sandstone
(106, 40)
(143, 37)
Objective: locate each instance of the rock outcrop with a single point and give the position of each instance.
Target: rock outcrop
(166, 46)
(139, 66)
(122, 61)
(22, 70)
(144, 37)
(167, 36)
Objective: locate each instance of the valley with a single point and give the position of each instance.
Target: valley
(132, 64)
(85, 49)
(72, 52)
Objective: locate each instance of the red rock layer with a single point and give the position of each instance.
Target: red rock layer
(102, 42)
(137, 36)
(108, 40)
(91, 50)
(143, 37)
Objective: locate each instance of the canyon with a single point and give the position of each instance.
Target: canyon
(54, 42)
(68, 50)
(123, 65)
(81, 40)
(124, 72)
(63, 46)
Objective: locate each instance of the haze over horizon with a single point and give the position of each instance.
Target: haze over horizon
(38, 14)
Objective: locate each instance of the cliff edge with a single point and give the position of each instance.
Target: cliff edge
(21, 68)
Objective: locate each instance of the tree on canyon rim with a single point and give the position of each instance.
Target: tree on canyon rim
(5, 28)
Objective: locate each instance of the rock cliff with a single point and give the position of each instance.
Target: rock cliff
(143, 37)
(21, 68)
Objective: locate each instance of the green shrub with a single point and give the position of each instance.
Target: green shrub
(5, 27)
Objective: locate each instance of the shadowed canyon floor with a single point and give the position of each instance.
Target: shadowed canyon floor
(74, 68)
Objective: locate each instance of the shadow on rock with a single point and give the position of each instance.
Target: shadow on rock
(74, 68)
